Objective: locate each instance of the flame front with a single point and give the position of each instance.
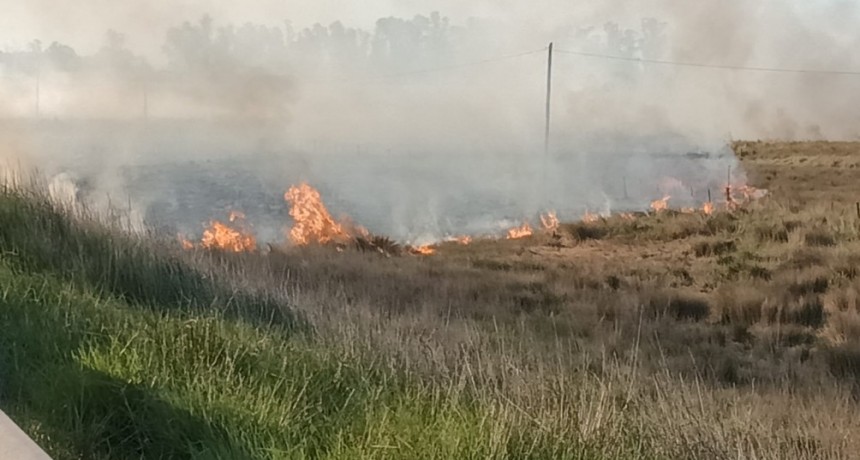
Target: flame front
(522, 231)
(708, 208)
(425, 250)
(590, 217)
(464, 240)
(184, 242)
(312, 221)
(549, 221)
(225, 238)
(661, 204)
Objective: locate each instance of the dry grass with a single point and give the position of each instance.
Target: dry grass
(735, 335)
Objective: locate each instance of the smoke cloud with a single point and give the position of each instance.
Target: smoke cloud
(415, 123)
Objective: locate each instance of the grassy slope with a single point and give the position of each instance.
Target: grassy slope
(673, 336)
(105, 352)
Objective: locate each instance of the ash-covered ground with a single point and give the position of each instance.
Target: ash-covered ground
(411, 198)
(179, 177)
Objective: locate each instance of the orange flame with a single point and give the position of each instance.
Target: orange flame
(627, 216)
(590, 217)
(185, 243)
(708, 208)
(549, 221)
(520, 232)
(425, 250)
(661, 204)
(464, 240)
(313, 223)
(225, 238)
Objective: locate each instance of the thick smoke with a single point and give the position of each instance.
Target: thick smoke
(415, 124)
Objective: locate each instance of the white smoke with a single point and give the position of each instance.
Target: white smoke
(417, 126)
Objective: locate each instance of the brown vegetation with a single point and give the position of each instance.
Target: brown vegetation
(759, 308)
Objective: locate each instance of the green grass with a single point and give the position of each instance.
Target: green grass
(116, 346)
(111, 347)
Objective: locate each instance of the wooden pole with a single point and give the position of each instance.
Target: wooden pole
(548, 99)
(729, 186)
(544, 184)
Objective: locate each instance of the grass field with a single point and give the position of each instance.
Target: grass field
(735, 335)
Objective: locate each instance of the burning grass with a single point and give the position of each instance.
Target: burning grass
(658, 335)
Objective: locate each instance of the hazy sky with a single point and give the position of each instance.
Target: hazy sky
(83, 23)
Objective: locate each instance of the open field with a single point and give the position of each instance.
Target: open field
(735, 335)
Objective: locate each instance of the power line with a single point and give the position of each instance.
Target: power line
(709, 66)
(439, 69)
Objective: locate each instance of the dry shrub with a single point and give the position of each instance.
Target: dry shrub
(842, 307)
(583, 231)
(783, 335)
(845, 299)
(722, 222)
(842, 327)
(532, 297)
(805, 258)
(819, 237)
(801, 282)
(680, 226)
(714, 248)
(739, 303)
(805, 310)
(680, 305)
(771, 232)
(847, 265)
(844, 360)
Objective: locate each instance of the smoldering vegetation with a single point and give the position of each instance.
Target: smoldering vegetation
(423, 125)
(671, 335)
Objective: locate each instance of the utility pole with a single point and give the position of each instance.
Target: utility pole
(544, 183)
(548, 99)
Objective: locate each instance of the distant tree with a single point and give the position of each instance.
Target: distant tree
(63, 58)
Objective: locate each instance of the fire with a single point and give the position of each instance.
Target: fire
(464, 240)
(590, 218)
(185, 243)
(751, 193)
(549, 221)
(627, 216)
(520, 232)
(425, 250)
(223, 237)
(688, 210)
(708, 208)
(313, 223)
(661, 204)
